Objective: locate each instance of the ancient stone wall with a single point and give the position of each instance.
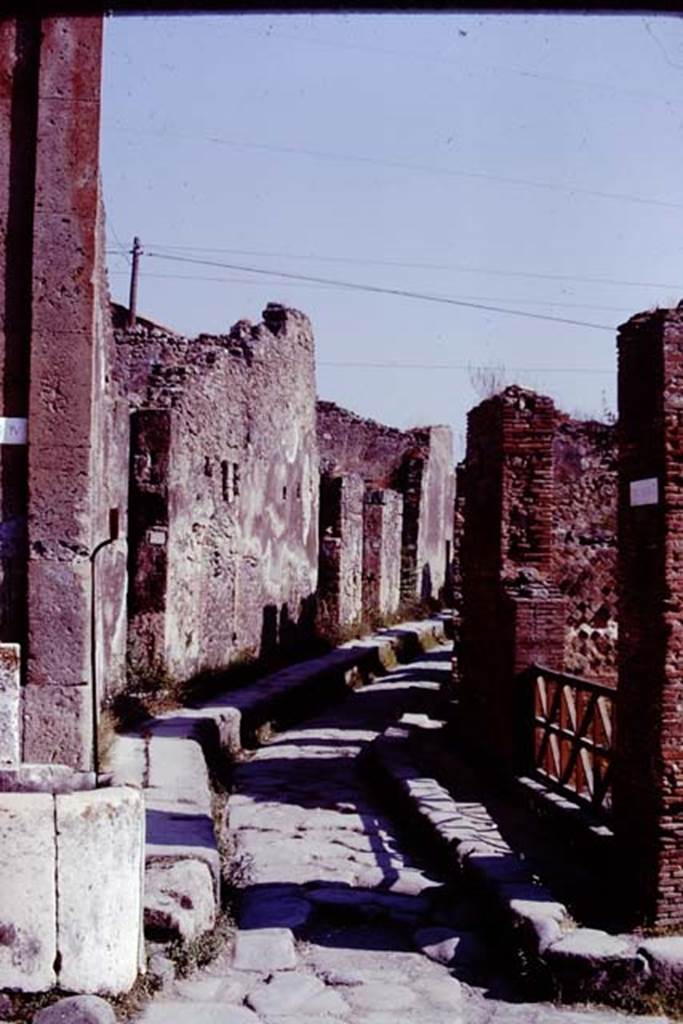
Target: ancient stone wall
(340, 566)
(585, 543)
(57, 494)
(419, 464)
(382, 527)
(351, 444)
(230, 471)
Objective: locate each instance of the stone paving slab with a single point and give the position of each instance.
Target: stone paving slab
(167, 758)
(351, 962)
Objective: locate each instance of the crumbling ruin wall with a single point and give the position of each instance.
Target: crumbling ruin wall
(352, 444)
(585, 543)
(239, 503)
(419, 464)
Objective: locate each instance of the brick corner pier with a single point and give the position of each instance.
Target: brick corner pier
(648, 781)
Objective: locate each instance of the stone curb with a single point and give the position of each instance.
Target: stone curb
(572, 962)
(238, 715)
(167, 758)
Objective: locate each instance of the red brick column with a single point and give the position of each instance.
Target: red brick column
(512, 615)
(648, 783)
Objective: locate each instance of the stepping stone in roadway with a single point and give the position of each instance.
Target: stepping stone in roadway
(262, 949)
(285, 993)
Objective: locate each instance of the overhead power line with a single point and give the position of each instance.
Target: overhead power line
(456, 64)
(361, 260)
(309, 284)
(376, 289)
(404, 166)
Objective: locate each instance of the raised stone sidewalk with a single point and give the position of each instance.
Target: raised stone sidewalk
(337, 921)
(167, 758)
(573, 962)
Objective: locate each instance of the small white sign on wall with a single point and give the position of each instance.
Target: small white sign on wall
(156, 536)
(644, 492)
(13, 430)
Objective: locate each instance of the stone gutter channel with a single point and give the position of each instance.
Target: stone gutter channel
(561, 959)
(169, 757)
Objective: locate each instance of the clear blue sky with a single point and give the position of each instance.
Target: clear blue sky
(531, 162)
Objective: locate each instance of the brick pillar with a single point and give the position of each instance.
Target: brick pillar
(512, 614)
(63, 473)
(648, 782)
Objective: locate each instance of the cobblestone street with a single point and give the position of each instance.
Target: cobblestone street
(338, 921)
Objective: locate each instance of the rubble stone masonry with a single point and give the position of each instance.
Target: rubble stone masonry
(224, 490)
(648, 783)
(584, 561)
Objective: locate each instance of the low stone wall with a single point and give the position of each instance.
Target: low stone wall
(71, 869)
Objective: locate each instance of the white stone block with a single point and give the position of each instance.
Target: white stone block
(10, 717)
(179, 899)
(264, 950)
(100, 852)
(28, 935)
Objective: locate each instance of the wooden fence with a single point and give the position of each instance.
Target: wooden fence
(573, 734)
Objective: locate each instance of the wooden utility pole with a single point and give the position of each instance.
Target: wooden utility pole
(136, 253)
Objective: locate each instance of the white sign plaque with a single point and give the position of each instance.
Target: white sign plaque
(644, 492)
(13, 430)
(156, 536)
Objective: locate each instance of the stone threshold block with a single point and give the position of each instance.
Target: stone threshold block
(71, 869)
